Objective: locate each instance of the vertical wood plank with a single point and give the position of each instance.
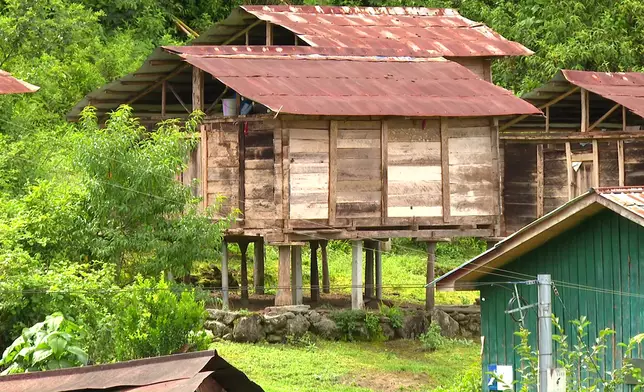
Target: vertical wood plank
(595, 164)
(326, 281)
(357, 302)
(569, 171)
(296, 274)
(368, 269)
(204, 164)
(539, 180)
(547, 118)
(429, 290)
(286, 188)
(315, 272)
(620, 162)
(584, 110)
(241, 143)
(496, 179)
(258, 271)
(378, 262)
(164, 97)
(445, 169)
(624, 118)
(269, 34)
(384, 141)
(333, 169)
(224, 274)
(243, 248)
(200, 160)
(283, 295)
(197, 89)
(247, 38)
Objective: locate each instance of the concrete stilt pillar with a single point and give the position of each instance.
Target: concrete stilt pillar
(258, 271)
(326, 281)
(296, 274)
(283, 295)
(243, 248)
(378, 271)
(224, 275)
(429, 290)
(368, 269)
(357, 301)
(315, 273)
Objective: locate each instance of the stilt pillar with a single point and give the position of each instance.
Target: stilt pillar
(224, 275)
(378, 254)
(258, 271)
(283, 295)
(326, 281)
(368, 269)
(296, 274)
(243, 248)
(429, 290)
(315, 273)
(357, 301)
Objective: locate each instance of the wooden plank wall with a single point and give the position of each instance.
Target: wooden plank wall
(520, 185)
(555, 177)
(480, 66)
(470, 167)
(223, 165)
(309, 168)
(414, 168)
(608, 167)
(634, 163)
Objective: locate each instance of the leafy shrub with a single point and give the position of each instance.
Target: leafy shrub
(394, 314)
(307, 341)
(348, 322)
(432, 339)
(468, 382)
(372, 322)
(50, 344)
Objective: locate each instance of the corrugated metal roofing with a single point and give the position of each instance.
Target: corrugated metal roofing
(11, 85)
(361, 86)
(422, 31)
(625, 88)
(625, 201)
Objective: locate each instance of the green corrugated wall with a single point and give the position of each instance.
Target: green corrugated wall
(603, 252)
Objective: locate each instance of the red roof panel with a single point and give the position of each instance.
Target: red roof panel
(11, 85)
(424, 31)
(625, 88)
(354, 86)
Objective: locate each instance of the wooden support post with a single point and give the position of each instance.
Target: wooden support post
(384, 158)
(164, 96)
(333, 169)
(548, 119)
(378, 271)
(429, 290)
(445, 169)
(258, 271)
(201, 155)
(243, 248)
(620, 162)
(570, 173)
(269, 33)
(241, 143)
(247, 39)
(326, 282)
(197, 88)
(540, 179)
(315, 273)
(604, 117)
(357, 302)
(368, 269)
(283, 296)
(596, 164)
(286, 177)
(224, 275)
(623, 118)
(584, 110)
(296, 274)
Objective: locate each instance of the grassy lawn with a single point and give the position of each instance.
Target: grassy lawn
(350, 367)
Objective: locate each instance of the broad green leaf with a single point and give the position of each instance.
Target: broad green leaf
(57, 344)
(79, 353)
(41, 355)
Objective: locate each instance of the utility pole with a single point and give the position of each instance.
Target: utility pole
(544, 284)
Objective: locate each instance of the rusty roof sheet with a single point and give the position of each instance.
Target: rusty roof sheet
(358, 86)
(624, 88)
(11, 85)
(420, 31)
(631, 198)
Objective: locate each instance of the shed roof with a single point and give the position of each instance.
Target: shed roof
(305, 84)
(176, 373)
(11, 85)
(419, 31)
(625, 201)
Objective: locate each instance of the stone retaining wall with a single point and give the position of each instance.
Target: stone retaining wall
(277, 324)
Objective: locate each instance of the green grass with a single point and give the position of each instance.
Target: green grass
(350, 367)
(403, 266)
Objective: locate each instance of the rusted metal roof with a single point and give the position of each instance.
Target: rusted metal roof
(230, 50)
(359, 86)
(11, 85)
(625, 88)
(625, 201)
(421, 31)
(177, 373)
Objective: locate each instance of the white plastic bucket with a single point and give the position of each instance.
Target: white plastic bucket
(230, 106)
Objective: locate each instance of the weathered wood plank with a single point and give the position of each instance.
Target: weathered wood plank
(306, 124)
(371, 185)
(384, 164)
(413, 174)
(413, 135)
(444, 172)
(333, 170)
(540, 190)
(620, 161)
(595, 164)
(569, 173)
(309, 134)
(408, 212)
(358, 124)
(358, 143)
(371, 133)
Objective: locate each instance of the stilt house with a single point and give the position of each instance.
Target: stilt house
(591, 136)
(346, 123)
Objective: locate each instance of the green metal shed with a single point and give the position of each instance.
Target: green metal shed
(591, 247)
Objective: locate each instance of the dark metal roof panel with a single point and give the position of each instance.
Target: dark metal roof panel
(361, 87)
(420, 31)
(11, 85)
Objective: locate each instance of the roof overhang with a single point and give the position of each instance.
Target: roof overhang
(619, 200)
(11, 85)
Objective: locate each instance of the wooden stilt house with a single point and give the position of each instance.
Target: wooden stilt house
(324, 143)
(592, 135)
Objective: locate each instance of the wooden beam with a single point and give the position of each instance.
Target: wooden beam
(570, 137)
(224, 274)
(430, 290)
(623, 118)
(548, 119)
(378, 271)
(156, 63)
(596, 183)
(445, 168)
(326, 281)
(540, 180)
(496, 179)
(384, 158)
(258, 270)
(620, 161)
(164, 97)
(333, 170)
(242, 32)
(604, 117)
(541, 107)
(164, 77)
(243, 248)
(197, 88)
(178, 98)
(241, 143)
(585, 110)
(269, 33)
(315, 272)
(219, 98)
(296, 274)
(204, 164)
(357, 301)
(136, 82)
(368, 269)
(286, 189)
(587, 157)
(283, 296)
